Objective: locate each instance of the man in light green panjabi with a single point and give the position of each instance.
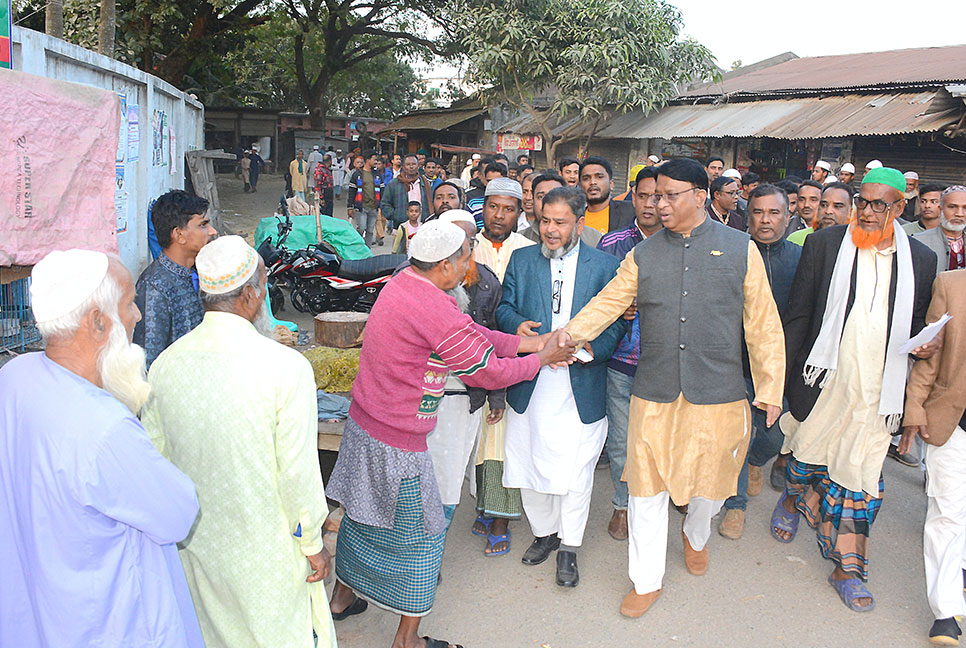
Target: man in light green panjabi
(237, 412)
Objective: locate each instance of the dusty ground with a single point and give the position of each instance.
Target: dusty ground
(757, 592)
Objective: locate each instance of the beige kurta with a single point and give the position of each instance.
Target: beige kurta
(686, 449)
(844, 430)
(299, 180)
(493, 437)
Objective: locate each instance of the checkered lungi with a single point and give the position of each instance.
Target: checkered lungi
(842, 519)
(397, 569)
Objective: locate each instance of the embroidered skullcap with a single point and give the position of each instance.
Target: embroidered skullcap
(504, 187)
(732, 173)
(848, 167)
(873, 164)
(822, 164)
(435, 241)
(952, 189)
(457, 216)
(886, 176)
(225, 264)
(910, 175)
(63, 280)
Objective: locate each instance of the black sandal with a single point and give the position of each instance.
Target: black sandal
(436, 643)
(358, 606)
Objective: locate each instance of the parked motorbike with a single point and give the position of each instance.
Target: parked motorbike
(319, 279)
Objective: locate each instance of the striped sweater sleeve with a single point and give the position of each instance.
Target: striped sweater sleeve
(470, 355)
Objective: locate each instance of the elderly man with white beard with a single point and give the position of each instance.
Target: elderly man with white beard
(89, 510)
(238, 413)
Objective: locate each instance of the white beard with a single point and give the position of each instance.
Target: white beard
(262, 322)
(561, 251)
(121, 366)
(461, 296)
(949, 227)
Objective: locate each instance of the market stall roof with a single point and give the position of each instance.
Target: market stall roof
(800, 118)
(896, 68)
(435, 120)
(449, 148)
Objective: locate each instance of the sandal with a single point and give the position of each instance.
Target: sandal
(495, 540)
(436, 643)
(483, 521)
(783, 520)
(850, 589)
(358, 606)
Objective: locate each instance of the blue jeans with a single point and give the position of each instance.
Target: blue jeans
(766, 442)
(618, 411)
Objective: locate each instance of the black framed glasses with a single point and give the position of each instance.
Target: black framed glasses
(555, 296)
(670, 197)
(878, 206)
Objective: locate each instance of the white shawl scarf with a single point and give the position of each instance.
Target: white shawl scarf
(825, 352)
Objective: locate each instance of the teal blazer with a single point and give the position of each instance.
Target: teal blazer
(527, 296)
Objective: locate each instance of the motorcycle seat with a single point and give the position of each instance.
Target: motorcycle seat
(371, 268)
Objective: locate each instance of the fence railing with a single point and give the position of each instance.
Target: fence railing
(17, 326)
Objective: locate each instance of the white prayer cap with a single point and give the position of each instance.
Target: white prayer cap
(315, 147)
(831, 179)
(732, 173)
(848, 167)
(63, 280)
(873, 164)
(910, 175)
(435, 241)
(476, 156)
(225, 264)
(822, 164)
(504, 187)
(653, 158)
(457, 216)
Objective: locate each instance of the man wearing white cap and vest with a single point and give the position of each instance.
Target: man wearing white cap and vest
(820, 171)
(911, 213)
(391, 538)
(238, 413)
(847, 173)
(90, 510)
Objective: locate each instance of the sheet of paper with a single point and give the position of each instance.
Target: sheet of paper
(928, 332)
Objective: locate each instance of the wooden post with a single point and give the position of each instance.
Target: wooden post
(202, 170)
(341, 329)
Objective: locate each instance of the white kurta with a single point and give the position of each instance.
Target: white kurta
(548, 448)
(453, 440)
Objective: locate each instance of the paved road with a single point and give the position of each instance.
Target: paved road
(757, 592)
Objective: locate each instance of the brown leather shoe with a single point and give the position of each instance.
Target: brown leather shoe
(756, 480)
(617, 527)
(732, 524)
(695, 561)
(635, 605)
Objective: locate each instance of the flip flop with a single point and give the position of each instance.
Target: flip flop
(485, 521)
(849, 590)
(783, 520)
(495, 540)
(436, 643)
(358, 606)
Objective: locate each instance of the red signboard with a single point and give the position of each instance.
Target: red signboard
(6, 33)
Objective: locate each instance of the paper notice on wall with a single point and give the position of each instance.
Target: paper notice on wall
(56, 197)
(173, 150)
(157, 137)
(133, 134)
(120, 198)
(122, 130)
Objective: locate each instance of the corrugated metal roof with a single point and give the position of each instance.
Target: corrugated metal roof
(433, 119)
(817, 73)
(803, 118)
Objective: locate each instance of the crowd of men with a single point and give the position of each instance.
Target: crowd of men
(686, 333)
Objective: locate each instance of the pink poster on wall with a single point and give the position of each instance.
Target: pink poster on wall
(57, 176)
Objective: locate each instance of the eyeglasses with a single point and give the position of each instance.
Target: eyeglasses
(878, 206)
(670, 197)
(555, 295)
(473, 242)
(732, 193)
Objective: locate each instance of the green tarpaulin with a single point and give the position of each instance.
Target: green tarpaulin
(335, 231)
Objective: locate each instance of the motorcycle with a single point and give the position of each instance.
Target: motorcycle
(319, 279)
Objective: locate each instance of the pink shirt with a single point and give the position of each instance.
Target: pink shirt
(416, 336)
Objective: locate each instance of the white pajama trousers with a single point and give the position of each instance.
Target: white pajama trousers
(647, 543)
(944, 534)
(565, 515)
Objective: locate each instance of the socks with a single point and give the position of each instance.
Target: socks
(564, 547)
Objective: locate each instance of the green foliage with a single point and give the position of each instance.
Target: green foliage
(563, 58)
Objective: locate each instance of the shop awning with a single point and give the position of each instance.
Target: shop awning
(792, 119)
(435, 120)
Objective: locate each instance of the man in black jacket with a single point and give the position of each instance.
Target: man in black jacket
(860, 291)
(767, 211)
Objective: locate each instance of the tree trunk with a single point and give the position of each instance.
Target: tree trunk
(55, 18)
(106, 27)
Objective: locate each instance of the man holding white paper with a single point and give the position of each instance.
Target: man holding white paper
(859, 292)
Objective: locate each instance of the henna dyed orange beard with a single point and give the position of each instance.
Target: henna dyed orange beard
(472, 273)
(867, 240)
